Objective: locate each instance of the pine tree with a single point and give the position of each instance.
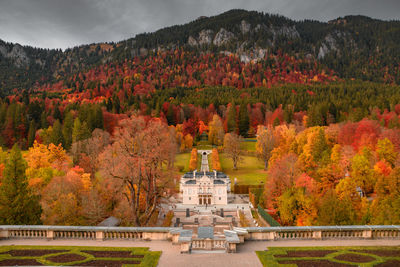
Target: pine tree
(17, 204)
(76, 130)
(170, 115)
(98, 118)
(244, 121)
(57, 135)
(43, 121)
(31, 133)
(57, 113)
(231, 118)
(67, 130)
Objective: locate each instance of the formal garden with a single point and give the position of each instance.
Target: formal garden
(250, 169)
(77, 256)
(330, 256)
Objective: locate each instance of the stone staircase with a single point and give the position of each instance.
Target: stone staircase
(206, 242)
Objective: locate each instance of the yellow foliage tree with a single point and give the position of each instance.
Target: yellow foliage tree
(45, 162)
(188, 140)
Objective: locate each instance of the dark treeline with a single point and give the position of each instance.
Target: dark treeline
(26, 117)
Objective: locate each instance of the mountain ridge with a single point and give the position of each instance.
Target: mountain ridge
(347, 45)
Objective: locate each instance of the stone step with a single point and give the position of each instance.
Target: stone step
(201, 251)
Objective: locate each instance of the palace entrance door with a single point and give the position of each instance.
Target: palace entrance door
(205, 199)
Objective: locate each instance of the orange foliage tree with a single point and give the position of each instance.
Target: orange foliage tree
(216, 164)
(193, 160)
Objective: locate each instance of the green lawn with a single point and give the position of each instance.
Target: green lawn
(321, 256)
(82, 256)
(182, 162)
(250, 171)
(249, 145)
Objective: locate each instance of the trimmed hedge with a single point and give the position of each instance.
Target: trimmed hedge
(244, 188)
(268, 218)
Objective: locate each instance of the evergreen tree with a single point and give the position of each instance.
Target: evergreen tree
(170, 115)
(17, 204)
(67, 130)
(231, 118)
(320, 146)
(76, 130)
(57, 135)
(244, 121)
(98, 118)
(57, 113)
(43, 121)
(31, 133)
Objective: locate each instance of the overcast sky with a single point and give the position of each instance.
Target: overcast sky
(67, 23)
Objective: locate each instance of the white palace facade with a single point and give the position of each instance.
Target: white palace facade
(205, 188)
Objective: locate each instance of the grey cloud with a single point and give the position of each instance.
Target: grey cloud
(67, 23)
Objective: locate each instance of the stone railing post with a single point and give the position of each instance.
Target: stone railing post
(231, 248)
(3, 234)
(271, 235)
(99, 235)
(317, 235)
(185, 247)
(50, 234)
(367, 234)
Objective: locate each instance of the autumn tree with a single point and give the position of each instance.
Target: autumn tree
(233, 148)
(266, 142)
(362, 173)
(216, 131)
(17, 203)
(65, 197)
(188, 141)
(90, 149)
(386, 151)
(135, 158)
(282, 175)
(193, 160)
(333, 211)
(216, 164)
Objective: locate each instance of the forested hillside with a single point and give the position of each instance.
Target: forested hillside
(354, 47)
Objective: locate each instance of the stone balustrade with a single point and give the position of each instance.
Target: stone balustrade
(324, 232)
(188, 242)
(85, 232)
